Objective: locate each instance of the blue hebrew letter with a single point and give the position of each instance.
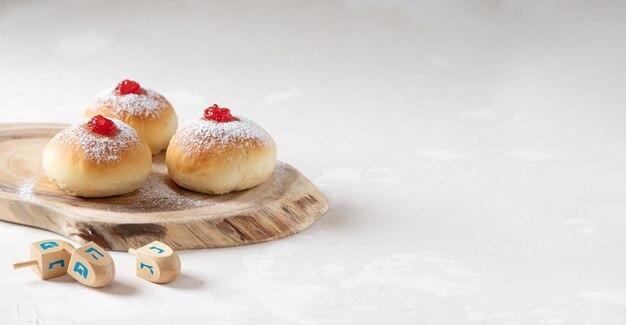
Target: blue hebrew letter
(51, 265)
(91, 249)
(81, 269)
(48, 244)
(158, 249)
(146, 266)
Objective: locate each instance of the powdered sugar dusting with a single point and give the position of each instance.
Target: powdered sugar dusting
(160, 193)
(96, 147)
(200, 134)
(156, 192)
(147, 104)
(25, 191)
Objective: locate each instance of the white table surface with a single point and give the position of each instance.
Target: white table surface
(472, 152)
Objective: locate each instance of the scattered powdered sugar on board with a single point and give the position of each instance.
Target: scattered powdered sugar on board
(279, 176)
(96, 147)
(203, 133)
(157, 193)
(160, 193)
(147, 104)
(25, 191)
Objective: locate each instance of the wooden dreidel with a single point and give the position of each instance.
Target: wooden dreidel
(92, 266)
(49, 258)
(157, 262)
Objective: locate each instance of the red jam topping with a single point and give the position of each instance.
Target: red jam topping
(102, 125)
(218, 114)
(128, 87)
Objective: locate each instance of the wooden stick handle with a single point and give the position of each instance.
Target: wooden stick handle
(132, 251)
(24, 264)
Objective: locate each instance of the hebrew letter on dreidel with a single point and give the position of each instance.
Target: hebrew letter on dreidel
(59, 262)
(48, 244)
(48, 258)
(81, 269)
(159, 250)
(91, 249)
(92, 266)
(159, 259)
(147, 267)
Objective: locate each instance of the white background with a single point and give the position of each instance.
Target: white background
(472, 151)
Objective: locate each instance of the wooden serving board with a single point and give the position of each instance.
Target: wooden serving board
(160, 210)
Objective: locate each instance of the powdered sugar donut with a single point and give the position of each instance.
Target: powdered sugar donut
(220, 153)
(144, 109)
(99, 157)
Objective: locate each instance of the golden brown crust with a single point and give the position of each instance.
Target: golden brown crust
(156, 125)
(83, 168)
(216, 155)
(238, 164)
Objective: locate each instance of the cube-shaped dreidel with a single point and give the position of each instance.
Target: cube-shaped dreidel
(157, 262)
(48, 258)
(92, 266)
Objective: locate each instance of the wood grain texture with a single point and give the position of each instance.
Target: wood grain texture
(160, 210)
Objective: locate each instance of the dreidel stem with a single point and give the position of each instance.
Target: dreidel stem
(132, 251)
(20, 265)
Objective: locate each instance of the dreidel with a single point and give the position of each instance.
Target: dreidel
(157, 262)
(48, 258)
(92, 266)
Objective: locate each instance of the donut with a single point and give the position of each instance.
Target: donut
(220, 153)
(144, 109)
(99, 157)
